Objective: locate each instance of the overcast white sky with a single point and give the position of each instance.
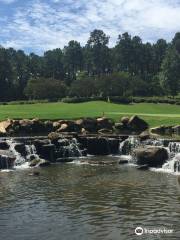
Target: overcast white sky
(38, 25)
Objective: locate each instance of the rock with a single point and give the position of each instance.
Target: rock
(54, 137)
(21, 148)
(37, 126)
(144, 136)
(104, 123)
(63, 142)
(176, 130)
(39, 163)
(143, 167)
(64, 160)
(137, 124)
(113, 145)
(80, 122)
(105, 131)
(6, 159)
(56, 126)
(47, 152)
(44, 163)
(90, 125)
(84, 132)
(4, 145)
(84, 152)
(69, 126)
(4, 126)
(151, 155)
(100, 145)
(48, 125)
(120, 127)
(99, 162)
(125, 120)
(123, 161)
(25, 125)
(34, 173)
(34, 162)
(63, 128)
(39, 143)
(162, 130)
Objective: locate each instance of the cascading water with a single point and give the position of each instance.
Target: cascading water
(128, 145)
(31, 152)
(19, 158)
(173, 149)
(69, 148)
(174, 157)
(22, 161)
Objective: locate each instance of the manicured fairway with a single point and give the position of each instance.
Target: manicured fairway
(155, 114)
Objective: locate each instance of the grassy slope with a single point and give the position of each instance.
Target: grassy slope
(155, 114)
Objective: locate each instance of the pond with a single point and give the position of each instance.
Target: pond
(88, 201)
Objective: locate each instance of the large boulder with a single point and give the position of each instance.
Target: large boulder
(69, 126)
(104, 123)
(39, 163)
(37, 126)
(54, 137)
(56, 125)
(176, 130)
(47, 152)
(48, 125)
(89, 124)
(6, 159)
(100, 145)
(5, 126)
(162, 130)
(137, 124)
(21, 148)
(120, 127)
(25, 125)
(151, 155)
(125, 120)
(4, 145)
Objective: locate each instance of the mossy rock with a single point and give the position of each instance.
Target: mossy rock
(39, 163)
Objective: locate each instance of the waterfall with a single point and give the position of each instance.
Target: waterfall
(173, 148)
(19, 158)
(126, 147)
(22, 161)
(71, 149)
(174, 157)
(173, 164)
(31, 152)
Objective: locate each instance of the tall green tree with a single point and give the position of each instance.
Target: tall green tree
(123, 53)
(73, 59)
(6, 76)
(97, 53)
(170, 74)
(53, 64)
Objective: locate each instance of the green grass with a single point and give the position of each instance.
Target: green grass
(154, 114)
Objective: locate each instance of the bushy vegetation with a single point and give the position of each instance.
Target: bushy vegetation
(94, 71)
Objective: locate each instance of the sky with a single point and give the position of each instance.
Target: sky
(40, 25)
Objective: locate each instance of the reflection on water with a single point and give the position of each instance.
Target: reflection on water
(72, 201)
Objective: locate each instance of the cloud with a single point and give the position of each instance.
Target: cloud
(7, 1)
(41, 25)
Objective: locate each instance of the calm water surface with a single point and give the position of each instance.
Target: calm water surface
(70, 201)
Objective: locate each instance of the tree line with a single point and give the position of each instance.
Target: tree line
(130, 68)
